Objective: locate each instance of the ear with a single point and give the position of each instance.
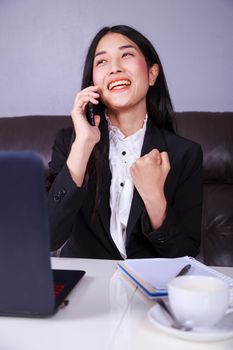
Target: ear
(153, 73)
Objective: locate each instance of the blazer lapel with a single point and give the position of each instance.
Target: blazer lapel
(154, 138)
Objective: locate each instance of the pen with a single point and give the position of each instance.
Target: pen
(184, 270)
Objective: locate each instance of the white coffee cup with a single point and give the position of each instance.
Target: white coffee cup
(198, 301)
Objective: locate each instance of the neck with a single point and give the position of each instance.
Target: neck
(128, 122)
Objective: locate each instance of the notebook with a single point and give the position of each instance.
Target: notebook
(29, 287)
(153, 275)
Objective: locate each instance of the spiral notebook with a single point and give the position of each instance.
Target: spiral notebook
(152, 275)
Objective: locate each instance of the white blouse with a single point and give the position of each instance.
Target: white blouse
(123, 151)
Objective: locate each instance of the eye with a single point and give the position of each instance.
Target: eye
(127, 54)
(100, 62)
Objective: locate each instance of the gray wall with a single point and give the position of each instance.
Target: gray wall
(43, 45)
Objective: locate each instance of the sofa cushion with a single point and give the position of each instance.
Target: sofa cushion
(31, 133)
(214, 131)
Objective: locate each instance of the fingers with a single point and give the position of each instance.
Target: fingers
(89, 94)
(156, 157)
(165, 160)
(97, 120)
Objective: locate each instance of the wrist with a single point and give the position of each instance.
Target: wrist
(77, 161)
(155, 197)
(83, 145)
(156, 208)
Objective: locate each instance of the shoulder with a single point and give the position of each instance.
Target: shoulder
(181, 145)
(186, 155)
(170, 141)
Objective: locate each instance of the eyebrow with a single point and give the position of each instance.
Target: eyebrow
(120, 48)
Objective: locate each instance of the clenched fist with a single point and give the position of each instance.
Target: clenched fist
(149, 174)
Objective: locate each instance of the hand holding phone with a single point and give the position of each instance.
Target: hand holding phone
(92, 110)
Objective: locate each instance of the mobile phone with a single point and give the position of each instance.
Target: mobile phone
(93, 110)
(91, 113)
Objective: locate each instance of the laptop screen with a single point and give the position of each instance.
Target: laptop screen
(27, 281)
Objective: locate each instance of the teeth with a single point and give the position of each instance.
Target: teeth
(119, 82)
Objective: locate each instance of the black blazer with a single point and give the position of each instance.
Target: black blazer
(87, 236)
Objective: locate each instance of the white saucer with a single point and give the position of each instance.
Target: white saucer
(221, 331)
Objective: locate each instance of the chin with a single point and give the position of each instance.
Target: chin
(118, 104)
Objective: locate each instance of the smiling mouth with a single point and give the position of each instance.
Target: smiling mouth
(118, 84)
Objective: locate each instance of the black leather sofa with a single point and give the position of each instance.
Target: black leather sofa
(214, 131)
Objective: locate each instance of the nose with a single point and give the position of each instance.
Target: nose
(115, 67)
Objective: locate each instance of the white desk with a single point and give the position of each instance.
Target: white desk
(88, 322)
(105, 312)
(137, 332)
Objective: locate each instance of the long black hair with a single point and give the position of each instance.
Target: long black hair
(158, 101)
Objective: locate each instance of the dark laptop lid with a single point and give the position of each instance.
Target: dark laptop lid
(26, 278)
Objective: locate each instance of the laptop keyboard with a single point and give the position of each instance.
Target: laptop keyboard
(58, 288)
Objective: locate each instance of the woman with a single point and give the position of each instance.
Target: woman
(126, 186)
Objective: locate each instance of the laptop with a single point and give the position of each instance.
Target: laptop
(28, 285)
